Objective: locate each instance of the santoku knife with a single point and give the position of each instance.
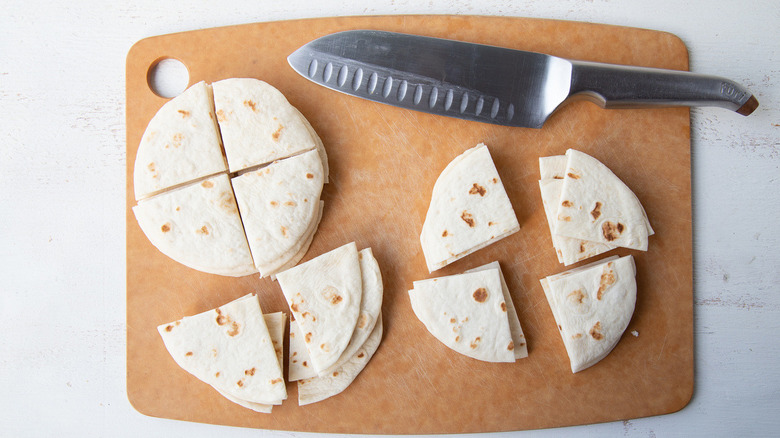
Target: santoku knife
(493, 84)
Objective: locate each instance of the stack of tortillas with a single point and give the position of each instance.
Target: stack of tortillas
(592, 306)
(469, 210)
(185, 180)
(471, 313)
(589, 209)
(336, 300)
(234, 348)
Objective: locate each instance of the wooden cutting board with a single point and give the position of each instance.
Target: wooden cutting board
(384, 161)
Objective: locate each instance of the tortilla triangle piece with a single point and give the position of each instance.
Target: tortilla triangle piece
(257, 123)
(299, 250)
(592, 306)
(597, 206)
(275, 323)
(316, 389)
(469, 210)
(370, 311)
(198, 225)
(229, 348)
(515, 329)
(324, 296)
(180, 144)
(467, 313)
(279, 203)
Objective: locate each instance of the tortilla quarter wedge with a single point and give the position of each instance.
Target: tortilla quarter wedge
(257, 123)
(275, 323)
(278, 205)
(469, 210)
(316, 389)
(324, 296)
(592, 306)
(597, 206)
(229, 348)
(198, 225)
(180, 144)
(467, 313)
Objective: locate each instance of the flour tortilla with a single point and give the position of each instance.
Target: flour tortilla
(319, 145)
(198, 225)
(568, 249)
(257, 123)
(299, 250)
(597, 206)
(515, 329)
(469, 210)
(275, 323)
(320, 388)
(324, 295)
(592, 307)
(278, 205)
(181, 143)
(300, 366)
(467, 313)
(229, 348)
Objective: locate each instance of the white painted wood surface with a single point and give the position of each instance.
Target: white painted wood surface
(62, 165)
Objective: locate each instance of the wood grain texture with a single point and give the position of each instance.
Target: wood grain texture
(384, 161)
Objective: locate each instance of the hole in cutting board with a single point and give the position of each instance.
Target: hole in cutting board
(168, 77)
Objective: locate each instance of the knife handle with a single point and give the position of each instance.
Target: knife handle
(618, 86)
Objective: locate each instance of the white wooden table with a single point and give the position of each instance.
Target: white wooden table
(62, 176)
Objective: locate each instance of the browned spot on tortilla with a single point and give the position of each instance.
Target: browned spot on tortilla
(305, 314)
(564, 218)
(217, 375)
(490, 224)
(275, 381)
(284, 231)
(308, 338)
(184, 114)
(566, 203)
(495, 180)
(444, 234)
(582, 246)
(457, 338)
(274, 203)
(335, 374)
(611, 230)
(360, 355)
(596, 212)
(249, 372)
(295, 361)
(475, 342)
(577, 296)
(477, 189)
(309, 176)
(559, 327)
(178, 208)
(189, 353)
(557, 177)
(290, 203)
(165, 228)
(234, 329)
(305, 364)
(480, 295)
(362, 321)
(607, 280)
(331, 294)
(573, 175)
(177, 138)
(168, 328)
(277, 133)
(453, 320)
(511, 346)
(150, 167)
(503, 306)
(251, 104)
(207, 184)
(468, 218)
(221, 319)
(203, 230)
(577, 336)
(595, 332)
(221, 116)
(240, 383)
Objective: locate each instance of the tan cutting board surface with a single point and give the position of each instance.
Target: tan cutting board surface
(384, 161)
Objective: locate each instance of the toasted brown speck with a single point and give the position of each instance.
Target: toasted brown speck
(284, 231)
(511, 346)
(566, 203)
(168, 328)
(165, 228)
(444, 234)
(221, 116)
(240, 383)
(477, 189)
(453, 320)
(582, 246)
(503, 306)
(189, 353)
(475, 342)
(468, 218)
(251, 104)
(331, 294)
(495, 180)
(564, 218)
(309, 176)
(577, 296)
(573, 175)
(595, 332)
(457, 338)
(249, 372)
(290, 203)
(607, 280)
(207, 184)
(184, 114)
(275, 381)
(305, 364)
(611, 231)
(217, 375)
(221, 319)
(362, 321)
(577, 336)
(307, 338)
(480, 295)
(491, 223)
(277, 133)
(557, 177)
(596, 212)
(234, 329)
(177, 138)
(360, 355)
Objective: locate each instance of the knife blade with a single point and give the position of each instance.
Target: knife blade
(493, 84)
